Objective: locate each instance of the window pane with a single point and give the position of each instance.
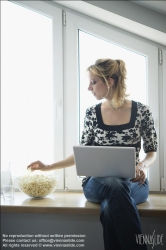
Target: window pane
(27, 87)
(92, 48)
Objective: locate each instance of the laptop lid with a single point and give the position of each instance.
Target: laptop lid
(101, 161)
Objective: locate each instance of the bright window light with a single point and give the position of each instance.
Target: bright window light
(26, 87)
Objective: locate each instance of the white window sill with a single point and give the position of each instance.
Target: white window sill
(67, 202)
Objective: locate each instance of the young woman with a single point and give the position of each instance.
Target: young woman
(116, 121)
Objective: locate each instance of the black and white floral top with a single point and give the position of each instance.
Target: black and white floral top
(141, 125)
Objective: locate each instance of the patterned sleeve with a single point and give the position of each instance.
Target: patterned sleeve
(88, 133)
(148, 131)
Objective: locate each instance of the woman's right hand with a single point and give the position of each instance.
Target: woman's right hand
(38, 165)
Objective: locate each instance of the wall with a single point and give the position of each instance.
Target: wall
(134, 12)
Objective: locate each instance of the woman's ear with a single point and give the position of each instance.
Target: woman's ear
(110, 82)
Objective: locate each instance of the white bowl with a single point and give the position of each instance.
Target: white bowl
(37, 185)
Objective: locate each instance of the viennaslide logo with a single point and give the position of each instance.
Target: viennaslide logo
(150, 239)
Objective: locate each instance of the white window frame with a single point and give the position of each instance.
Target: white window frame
(74, 22)
(66, 99)
(163, 127)
(56, 14)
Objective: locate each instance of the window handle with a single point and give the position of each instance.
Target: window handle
(58, 104)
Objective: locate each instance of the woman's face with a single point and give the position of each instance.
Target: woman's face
(97, 86)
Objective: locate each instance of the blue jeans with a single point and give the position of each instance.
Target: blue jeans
(119, 215)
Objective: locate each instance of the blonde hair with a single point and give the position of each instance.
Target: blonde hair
(115, 69)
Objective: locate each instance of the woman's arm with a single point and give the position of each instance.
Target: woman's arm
(142, 166)
(38, 165)
(87, 139)
(150, 157)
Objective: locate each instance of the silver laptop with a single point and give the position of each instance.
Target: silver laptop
(101, 161)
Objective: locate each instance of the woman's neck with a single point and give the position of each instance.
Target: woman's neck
(109, 104)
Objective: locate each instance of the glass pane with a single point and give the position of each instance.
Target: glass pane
(92, 48)
(27, 87)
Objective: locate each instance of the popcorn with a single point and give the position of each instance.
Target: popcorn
(37, 185)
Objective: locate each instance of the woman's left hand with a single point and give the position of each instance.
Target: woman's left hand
(140, 173)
